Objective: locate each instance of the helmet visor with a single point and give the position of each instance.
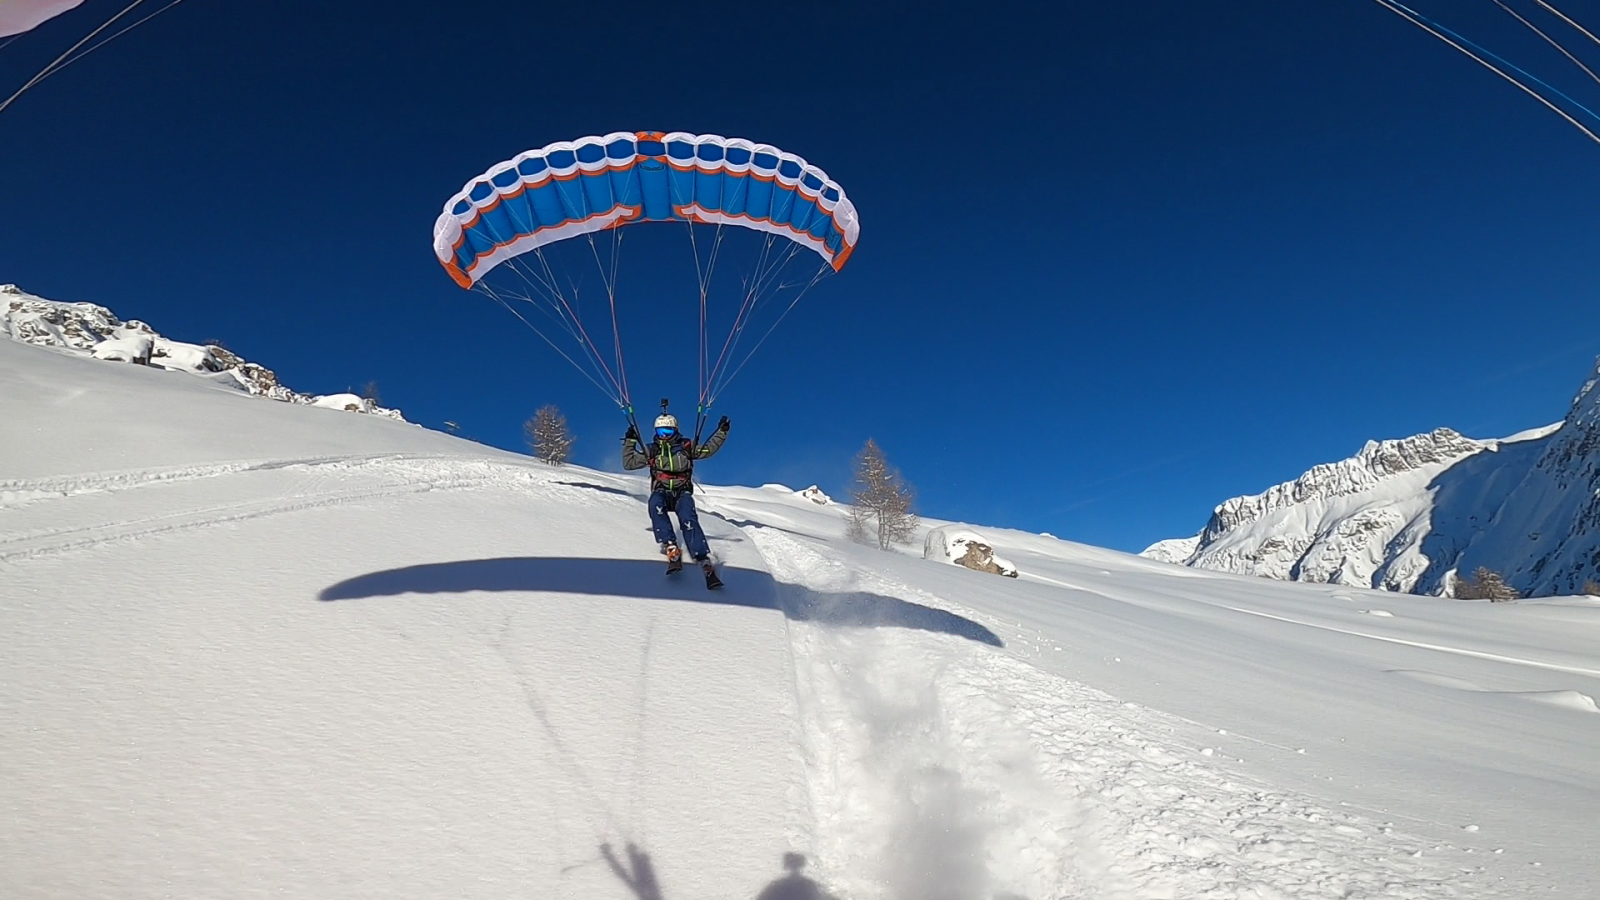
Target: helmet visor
(666, 431)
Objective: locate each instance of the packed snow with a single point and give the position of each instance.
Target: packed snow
(1415, 514)
(265, 649)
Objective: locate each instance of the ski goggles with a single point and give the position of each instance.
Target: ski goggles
(666, 432)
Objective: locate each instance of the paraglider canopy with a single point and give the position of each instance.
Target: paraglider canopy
(513, 223)
(17, 16)
(572, 188)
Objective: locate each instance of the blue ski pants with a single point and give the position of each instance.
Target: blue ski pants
(694, 540)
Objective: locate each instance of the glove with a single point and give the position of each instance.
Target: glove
(722, 426)
(632, 435)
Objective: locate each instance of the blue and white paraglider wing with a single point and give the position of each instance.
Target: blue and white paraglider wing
(573, 188)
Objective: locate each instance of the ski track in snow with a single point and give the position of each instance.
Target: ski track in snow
(942, 770)
(398, 474)
(16, 492)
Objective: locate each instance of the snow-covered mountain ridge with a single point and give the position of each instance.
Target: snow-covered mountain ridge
(85, 329)
(1408, 515)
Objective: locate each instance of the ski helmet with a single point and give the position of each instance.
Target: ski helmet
(666, 425)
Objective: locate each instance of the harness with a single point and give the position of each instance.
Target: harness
(665, 458)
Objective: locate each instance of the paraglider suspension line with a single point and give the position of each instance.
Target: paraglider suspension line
(610, 282)
(568, 316)
(1565, 18)
(490, 292)
(822, 272)
(1550, 40)
(68, 58)
(562, 310)
(762, 282)
(1482, 56)
(703, 275)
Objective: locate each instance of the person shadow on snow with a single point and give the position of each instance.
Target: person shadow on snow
(639, 875)
(794, 886)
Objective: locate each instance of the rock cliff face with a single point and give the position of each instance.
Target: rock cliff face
(1407, 515)
(90, 330)
(1545, 537)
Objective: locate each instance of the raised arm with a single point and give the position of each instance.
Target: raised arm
(713, 443)
(633, 456)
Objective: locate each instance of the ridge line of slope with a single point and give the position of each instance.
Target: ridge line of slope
(416, 480)
(1459, 651)
(230, 513)
(127, 479)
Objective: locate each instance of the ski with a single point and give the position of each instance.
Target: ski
(712, 581)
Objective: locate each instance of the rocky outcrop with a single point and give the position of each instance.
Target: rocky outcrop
(1544, 538)
(1376, 462)
(815, 495)
(962, 547)
(90, 330)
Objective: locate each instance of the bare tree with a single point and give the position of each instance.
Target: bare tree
(548, 436)
(1485, 584)
(369, 392)
(881, 501)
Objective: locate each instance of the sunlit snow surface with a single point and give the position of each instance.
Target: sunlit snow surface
(251, 648)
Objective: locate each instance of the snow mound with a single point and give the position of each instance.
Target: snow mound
(1173, 550)
(84, 329)
(1573, 700)
(960, 547)
(130, 348)
(347, 402)
(815, 495)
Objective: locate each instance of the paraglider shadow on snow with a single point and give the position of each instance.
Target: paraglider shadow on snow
(751, 523)
(639, 874)
(599, 487)
(644, 579)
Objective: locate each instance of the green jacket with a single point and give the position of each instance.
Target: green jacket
(671, 462)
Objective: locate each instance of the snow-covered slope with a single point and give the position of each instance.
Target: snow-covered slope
(89, 330)
(1407, 515)
(265, 649)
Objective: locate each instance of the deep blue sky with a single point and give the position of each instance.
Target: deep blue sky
(1119, 261)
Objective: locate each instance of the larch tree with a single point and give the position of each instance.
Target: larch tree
(881, 501)
(1485, 584)
(548, 436)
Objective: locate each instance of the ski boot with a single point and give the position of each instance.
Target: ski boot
(712, 581)
(674, 557)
